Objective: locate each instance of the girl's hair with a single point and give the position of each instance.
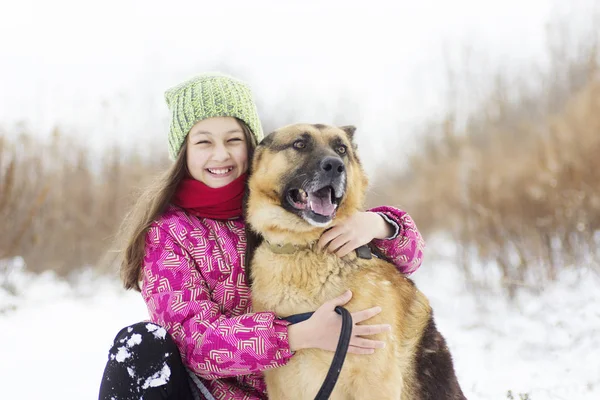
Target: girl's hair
(150, 205)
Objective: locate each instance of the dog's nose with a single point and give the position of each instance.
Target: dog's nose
(333, 166)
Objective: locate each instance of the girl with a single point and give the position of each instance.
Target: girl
(186, 247)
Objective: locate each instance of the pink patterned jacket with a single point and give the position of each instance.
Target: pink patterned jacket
(194, 285)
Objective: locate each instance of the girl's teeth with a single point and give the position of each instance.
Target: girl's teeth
(220, 171)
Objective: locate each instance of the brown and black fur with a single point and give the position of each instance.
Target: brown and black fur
(416, 363)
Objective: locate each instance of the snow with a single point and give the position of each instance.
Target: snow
(544, 345)
(122, 354)
(58, 333)
(136, 338)
(159, 378)
(159, 333)
(123, 351)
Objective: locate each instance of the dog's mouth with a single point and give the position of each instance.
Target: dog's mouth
(321, 202)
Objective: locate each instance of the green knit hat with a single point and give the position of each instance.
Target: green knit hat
(206, 96)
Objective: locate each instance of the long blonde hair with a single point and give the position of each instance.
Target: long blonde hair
(150, 206)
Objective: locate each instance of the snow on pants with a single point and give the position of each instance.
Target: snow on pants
(144, 363)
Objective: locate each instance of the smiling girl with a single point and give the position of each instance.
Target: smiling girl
(184, 251)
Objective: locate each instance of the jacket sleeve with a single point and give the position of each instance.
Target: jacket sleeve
(211, 344)
(405, 247)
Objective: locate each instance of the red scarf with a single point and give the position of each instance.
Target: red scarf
(215, 203)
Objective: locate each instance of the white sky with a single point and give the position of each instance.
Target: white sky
(98, 69)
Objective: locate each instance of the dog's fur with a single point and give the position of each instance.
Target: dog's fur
(415, 364)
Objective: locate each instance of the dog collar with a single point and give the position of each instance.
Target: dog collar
(289, 248)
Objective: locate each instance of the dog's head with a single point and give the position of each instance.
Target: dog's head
(302, 178)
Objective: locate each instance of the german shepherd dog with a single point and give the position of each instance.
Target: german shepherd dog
(303, 179)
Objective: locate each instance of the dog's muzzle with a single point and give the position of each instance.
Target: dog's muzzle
(318, 198)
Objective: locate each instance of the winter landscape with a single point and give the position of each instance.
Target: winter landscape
(545, 346)
(478, 118)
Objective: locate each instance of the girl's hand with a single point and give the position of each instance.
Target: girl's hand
(322, 329)
(357, 230)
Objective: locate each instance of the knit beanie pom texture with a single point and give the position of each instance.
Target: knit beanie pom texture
(207, 96)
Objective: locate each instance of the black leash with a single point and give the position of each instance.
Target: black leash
(339, 356)
(340, 352)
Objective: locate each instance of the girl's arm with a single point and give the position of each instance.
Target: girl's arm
(212, 344)
(390, 230)
(405, 247)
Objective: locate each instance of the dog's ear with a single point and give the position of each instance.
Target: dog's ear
(349, 129)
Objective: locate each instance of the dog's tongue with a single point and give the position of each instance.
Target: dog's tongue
(320, 202)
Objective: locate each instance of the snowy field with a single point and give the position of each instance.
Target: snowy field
(55, 335)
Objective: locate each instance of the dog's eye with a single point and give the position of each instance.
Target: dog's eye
(299, 144)
(342, 149)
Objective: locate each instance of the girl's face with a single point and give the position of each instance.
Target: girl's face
(217, 152)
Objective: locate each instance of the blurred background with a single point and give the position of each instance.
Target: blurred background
(480, 118)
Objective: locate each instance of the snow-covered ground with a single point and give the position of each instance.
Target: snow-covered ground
(55, 335)
(55, 343)
(546, 345)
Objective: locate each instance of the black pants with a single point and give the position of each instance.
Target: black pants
(144, 363)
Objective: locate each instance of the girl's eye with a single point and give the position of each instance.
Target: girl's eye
(342, 149)
(235, 140)
(299, 144)
(203, 142)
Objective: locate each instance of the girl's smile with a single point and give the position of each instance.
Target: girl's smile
(217, 151)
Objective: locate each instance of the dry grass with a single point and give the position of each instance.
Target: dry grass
(60, 205)
(518, 184)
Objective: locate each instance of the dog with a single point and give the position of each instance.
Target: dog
(304, 178)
